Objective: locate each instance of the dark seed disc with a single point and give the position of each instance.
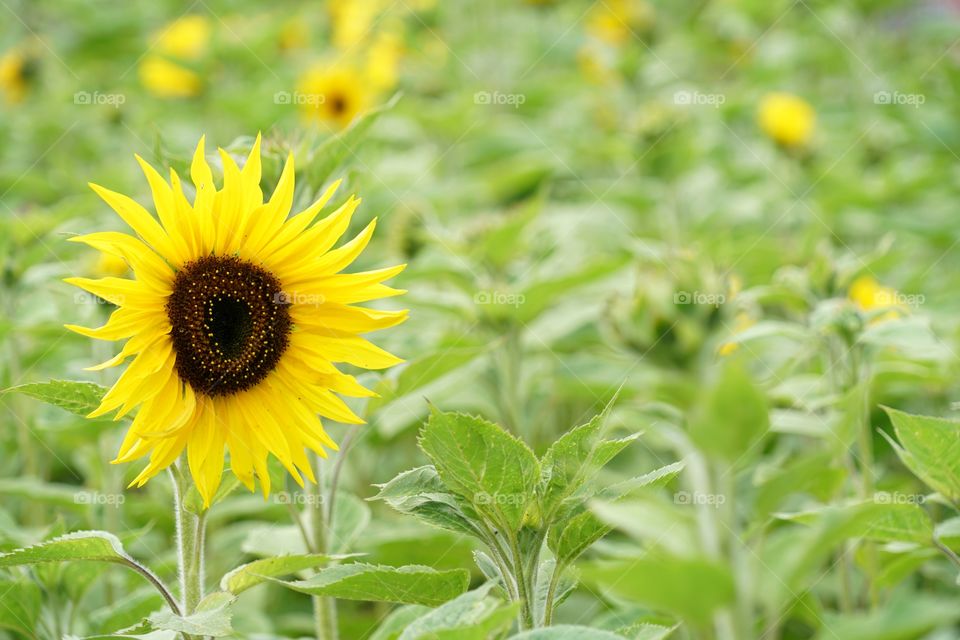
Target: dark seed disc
(230, 324)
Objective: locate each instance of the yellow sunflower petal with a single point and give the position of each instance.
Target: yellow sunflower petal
(140, 220)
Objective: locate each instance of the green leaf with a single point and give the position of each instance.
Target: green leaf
(690, 588)
(80, 545)
(647, 631)
(494, 471)
(733, 417)
(20, 606)
(906, 616)
(565, 586)
(883, 520)
(335, 150)
(815, 474)
(351, 515)
(421, 493)
(75, 396)
(651, 480)
(566, 632)
(406, 585)
(212, 617)
(793, 556)
(253, 573)
(472, 616)
(398, 620)
(128, 610)
(930, 448)
(141, 632)
(570, 538)
(97, 546)
(574, 459)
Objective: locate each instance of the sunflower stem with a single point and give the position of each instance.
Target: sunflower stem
(191, 527)
(324, 609)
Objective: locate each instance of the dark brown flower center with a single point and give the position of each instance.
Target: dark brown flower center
(230, 324)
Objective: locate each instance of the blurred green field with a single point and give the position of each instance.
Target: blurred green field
(732, 223)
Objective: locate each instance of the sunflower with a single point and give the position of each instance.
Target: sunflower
(234, 323)
(335, 94)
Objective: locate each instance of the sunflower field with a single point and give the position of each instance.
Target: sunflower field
(480, 320)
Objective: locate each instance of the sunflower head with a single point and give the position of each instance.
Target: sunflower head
(337, 94)
(167, 79)
(162, 71)
(185, 38)
(235, 322)
(15, 71)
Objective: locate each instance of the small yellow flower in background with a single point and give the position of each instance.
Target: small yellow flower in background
(185, 38)
(13, 76)
(294, 34)
(742, 322)
(234, 322)
(333, 94)
(352, 21)
(869, 295)
(787, 119)
(166, 79)
(383, 60)
(616, 21)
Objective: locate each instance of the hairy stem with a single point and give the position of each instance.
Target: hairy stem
(324, 609)
(190, 536)
(549, 606)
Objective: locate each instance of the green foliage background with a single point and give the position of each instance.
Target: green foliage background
(569, 232)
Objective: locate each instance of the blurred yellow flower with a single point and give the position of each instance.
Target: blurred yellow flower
(615, 21)
(13, 77)
(742, 322)
(383, 60)
(167, 79)
(333, 94)
(870, 295)
(185, 38)
(787, 119)
(293, 34)
(352, 20)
